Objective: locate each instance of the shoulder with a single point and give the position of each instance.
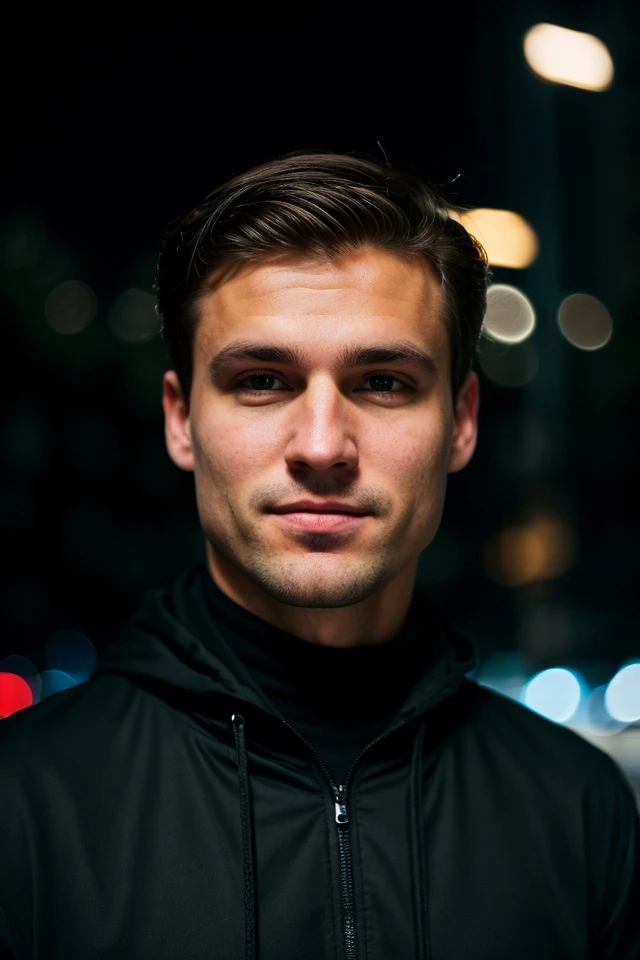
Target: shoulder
(525, 740)
(572, 798)
(65, 724)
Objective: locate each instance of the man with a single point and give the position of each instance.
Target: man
(283, 756)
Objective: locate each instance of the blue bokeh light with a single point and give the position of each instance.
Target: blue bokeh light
(71, 652)
(554, 693)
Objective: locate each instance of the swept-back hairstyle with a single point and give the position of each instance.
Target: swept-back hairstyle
(325, 204)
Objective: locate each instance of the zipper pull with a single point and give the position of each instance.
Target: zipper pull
(341, 807)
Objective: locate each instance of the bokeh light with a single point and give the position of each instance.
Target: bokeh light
(510, 317)
(568, 57)
(508, 239)
(133, 316)
(554, 693)
(70, 307)
(23, 667)
(15, 694)
(488, 347)
(72, 653)
(585, 321)
(542, 549)
(53, 681)
(622, 696)
(514, 366)
(598, 718)
(504, 672)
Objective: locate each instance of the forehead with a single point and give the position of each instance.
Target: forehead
(317, 302)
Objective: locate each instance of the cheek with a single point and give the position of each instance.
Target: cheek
(230, 450)
(416, 456)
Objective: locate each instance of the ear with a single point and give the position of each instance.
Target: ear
(177, 426)
(465, 433)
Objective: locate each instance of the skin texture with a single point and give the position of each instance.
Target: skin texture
(321, 431)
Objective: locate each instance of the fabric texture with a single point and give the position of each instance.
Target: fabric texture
(202, 797)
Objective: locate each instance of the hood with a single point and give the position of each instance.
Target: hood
(162, 649)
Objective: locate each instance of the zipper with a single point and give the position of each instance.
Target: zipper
(340, 798)
(346, 875)
(339, 794)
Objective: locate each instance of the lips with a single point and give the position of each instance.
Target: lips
(327, 507)
(321, 521)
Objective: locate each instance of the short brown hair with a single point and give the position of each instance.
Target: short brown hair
(319, 203)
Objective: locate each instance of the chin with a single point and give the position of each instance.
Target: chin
(319, 580)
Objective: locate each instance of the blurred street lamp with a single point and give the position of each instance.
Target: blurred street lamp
(585, 321)
(510, 317)
(568, 57)
(506, 236)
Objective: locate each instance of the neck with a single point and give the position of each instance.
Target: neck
(376, 619)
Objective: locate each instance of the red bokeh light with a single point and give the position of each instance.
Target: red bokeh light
(15, 694)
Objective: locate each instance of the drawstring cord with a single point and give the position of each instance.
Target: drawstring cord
(251, 945)
(417, 849)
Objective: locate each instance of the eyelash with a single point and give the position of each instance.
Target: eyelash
(375, 393)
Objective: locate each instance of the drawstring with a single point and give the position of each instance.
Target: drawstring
(417, 850)
(251, 945)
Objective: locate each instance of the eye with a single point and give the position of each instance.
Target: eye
(259, 375)
(262, 381)
(382, 377)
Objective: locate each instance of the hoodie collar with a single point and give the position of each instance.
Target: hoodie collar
(163, 646)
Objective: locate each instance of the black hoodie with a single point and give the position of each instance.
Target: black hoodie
(167, 809)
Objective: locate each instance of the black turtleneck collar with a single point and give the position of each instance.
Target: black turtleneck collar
(337, 698)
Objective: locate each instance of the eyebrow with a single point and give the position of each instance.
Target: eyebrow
(401, 351)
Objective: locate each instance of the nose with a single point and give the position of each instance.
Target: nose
(322, 433)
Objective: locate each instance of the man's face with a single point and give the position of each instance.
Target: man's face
(380, 436)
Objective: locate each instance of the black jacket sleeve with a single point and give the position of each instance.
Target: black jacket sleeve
(613, 839)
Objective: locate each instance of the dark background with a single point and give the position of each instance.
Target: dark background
(114, 130)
